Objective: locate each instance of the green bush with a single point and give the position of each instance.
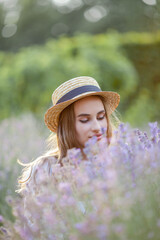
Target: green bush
(126, 63)
(143, 50)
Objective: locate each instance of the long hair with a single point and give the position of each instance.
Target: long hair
(59, 143)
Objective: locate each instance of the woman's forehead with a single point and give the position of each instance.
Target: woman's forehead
(88, 104)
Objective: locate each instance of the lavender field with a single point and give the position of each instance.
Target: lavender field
(113, 195)
(21, 138)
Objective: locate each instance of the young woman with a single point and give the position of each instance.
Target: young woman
(80, 111)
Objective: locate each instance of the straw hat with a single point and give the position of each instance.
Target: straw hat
(73, 90)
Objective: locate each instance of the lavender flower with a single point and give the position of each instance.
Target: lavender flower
(111, 194)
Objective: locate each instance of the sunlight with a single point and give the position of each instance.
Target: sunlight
(61, 2)
(95, 13)
(11, 17)
(9, 30)
(150, 2)
(8, 4)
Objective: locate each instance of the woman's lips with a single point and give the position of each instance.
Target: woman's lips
(98, 136)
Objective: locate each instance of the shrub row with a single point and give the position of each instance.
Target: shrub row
(126, 63)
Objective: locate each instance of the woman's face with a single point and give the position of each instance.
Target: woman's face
(90, 118)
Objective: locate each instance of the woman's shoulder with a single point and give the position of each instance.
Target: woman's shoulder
(34, 172)
(45, 161)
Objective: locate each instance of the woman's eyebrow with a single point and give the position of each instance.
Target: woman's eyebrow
(103, 111)
(83, 115)
(86, 114)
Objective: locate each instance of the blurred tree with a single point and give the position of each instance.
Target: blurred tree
(126, 63)
(28, 22)
(28, 77)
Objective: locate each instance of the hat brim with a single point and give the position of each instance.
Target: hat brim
(51, 118)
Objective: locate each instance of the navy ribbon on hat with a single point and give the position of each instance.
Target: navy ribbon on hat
(77, 91)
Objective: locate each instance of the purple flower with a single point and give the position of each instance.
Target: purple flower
(65, 187)
(83, 227)
(98, 197)
(74, 155)
(102, 231)
(1, 219)
(3, 230)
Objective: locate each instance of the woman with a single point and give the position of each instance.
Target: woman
(80, 111)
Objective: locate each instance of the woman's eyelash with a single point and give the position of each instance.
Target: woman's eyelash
(101, 117)
(84, 121)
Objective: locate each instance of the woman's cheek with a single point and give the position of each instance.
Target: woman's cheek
(104, 123)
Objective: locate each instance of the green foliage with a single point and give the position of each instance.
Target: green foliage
(126, 63)
(141, 109)
(37, 20)
(37, 71)
(143, 50)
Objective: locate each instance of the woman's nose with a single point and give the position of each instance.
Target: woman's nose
(96, 126)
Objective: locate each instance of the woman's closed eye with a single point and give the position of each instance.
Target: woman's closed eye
(84, 120)
(101, 117)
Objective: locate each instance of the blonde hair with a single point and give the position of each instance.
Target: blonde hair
(59, 143)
